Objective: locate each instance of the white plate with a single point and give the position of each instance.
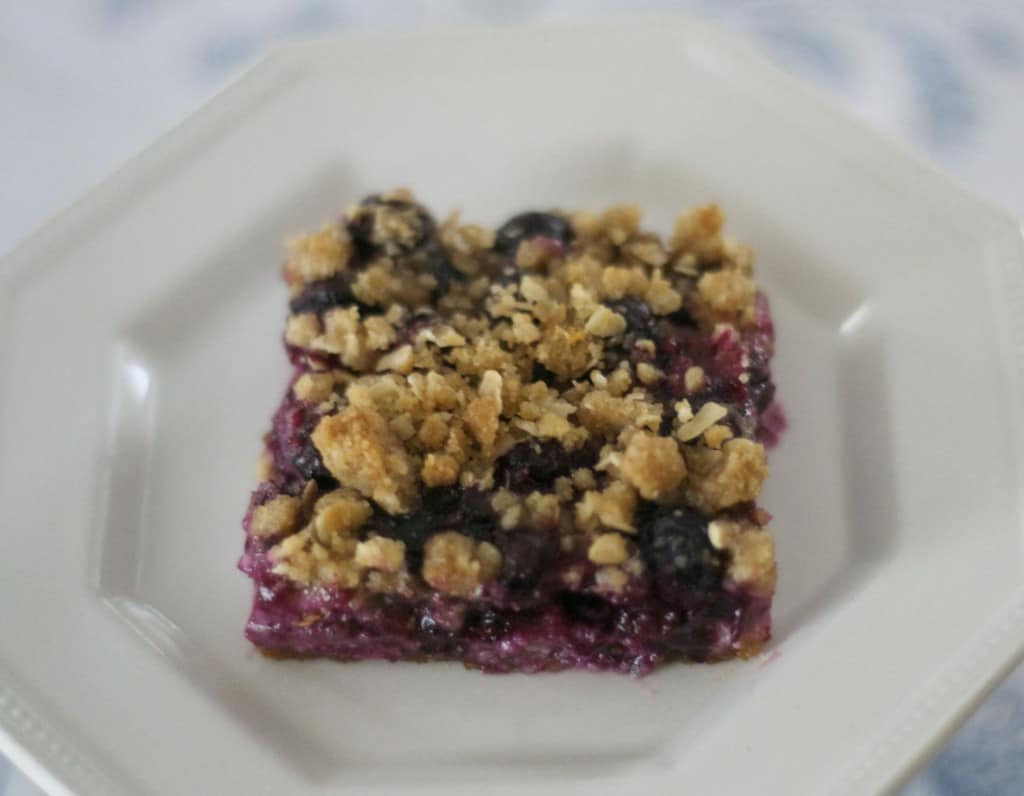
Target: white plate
(139, 347)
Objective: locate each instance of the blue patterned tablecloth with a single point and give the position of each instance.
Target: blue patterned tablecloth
(84, 83)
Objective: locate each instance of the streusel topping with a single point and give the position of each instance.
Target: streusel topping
(433, 353)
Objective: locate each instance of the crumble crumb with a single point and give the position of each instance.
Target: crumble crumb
(612, 579)
(481, 418)
(380, 553)
(608, 548)
(434, 430)
(542, 510)
(490, 386)
(564, 489)
(458, 565)
(693, 379)
(606, 323)
(442, 336)
(361, 451)
(648, 374)
(662, 298)
(301, 330)
(314, 387)
(401, 360)
(726, 296)
(302, 558)
(653, 465)
(583, 478)
(568, 352)
(715, 436)
(621, 380)
(649, 251)
(465, 243)
(380, 333)
(604, 413)
(722, 478)
(524, 331)
(613, 507)
(699, 232)
(533, 290)
(511, 516)
(706, 417)
(277, 516)
(403, 427)
(618, 282)
(620, 223)
(341, 512)
(400, 582)
(440, 469)
(318, 255)
(752, 552)
(378, 285)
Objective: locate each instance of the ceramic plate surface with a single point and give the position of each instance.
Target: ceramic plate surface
(140, 359)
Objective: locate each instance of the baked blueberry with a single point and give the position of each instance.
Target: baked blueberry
(527, 226)
(678, 554)
(323, 295)
(389, 226)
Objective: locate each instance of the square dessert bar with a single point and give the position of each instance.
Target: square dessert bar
(525, 449)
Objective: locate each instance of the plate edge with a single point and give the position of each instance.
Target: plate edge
(43, 753)
(28, 736)
(926, 706)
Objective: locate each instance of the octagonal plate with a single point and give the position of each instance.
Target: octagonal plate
(139, 347)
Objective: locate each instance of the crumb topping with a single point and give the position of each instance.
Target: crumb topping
(314, 387)
(361, 451)
(726, 296)
(610, 579)
(716, 435)
(698, 234)
(318, 255)
(653, 465)
(693, 379)
(604, 322)
(431, 351)
(722, 478)
(301, 330)
(456, 564)
(276, 516)
(380, 553)
(339, 513)
(608, 548)
(751, 549)
(709, 414)
(613, 507)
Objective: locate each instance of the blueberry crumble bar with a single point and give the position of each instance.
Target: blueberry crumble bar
(531, 448)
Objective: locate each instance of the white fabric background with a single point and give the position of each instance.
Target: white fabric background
(86, 83)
